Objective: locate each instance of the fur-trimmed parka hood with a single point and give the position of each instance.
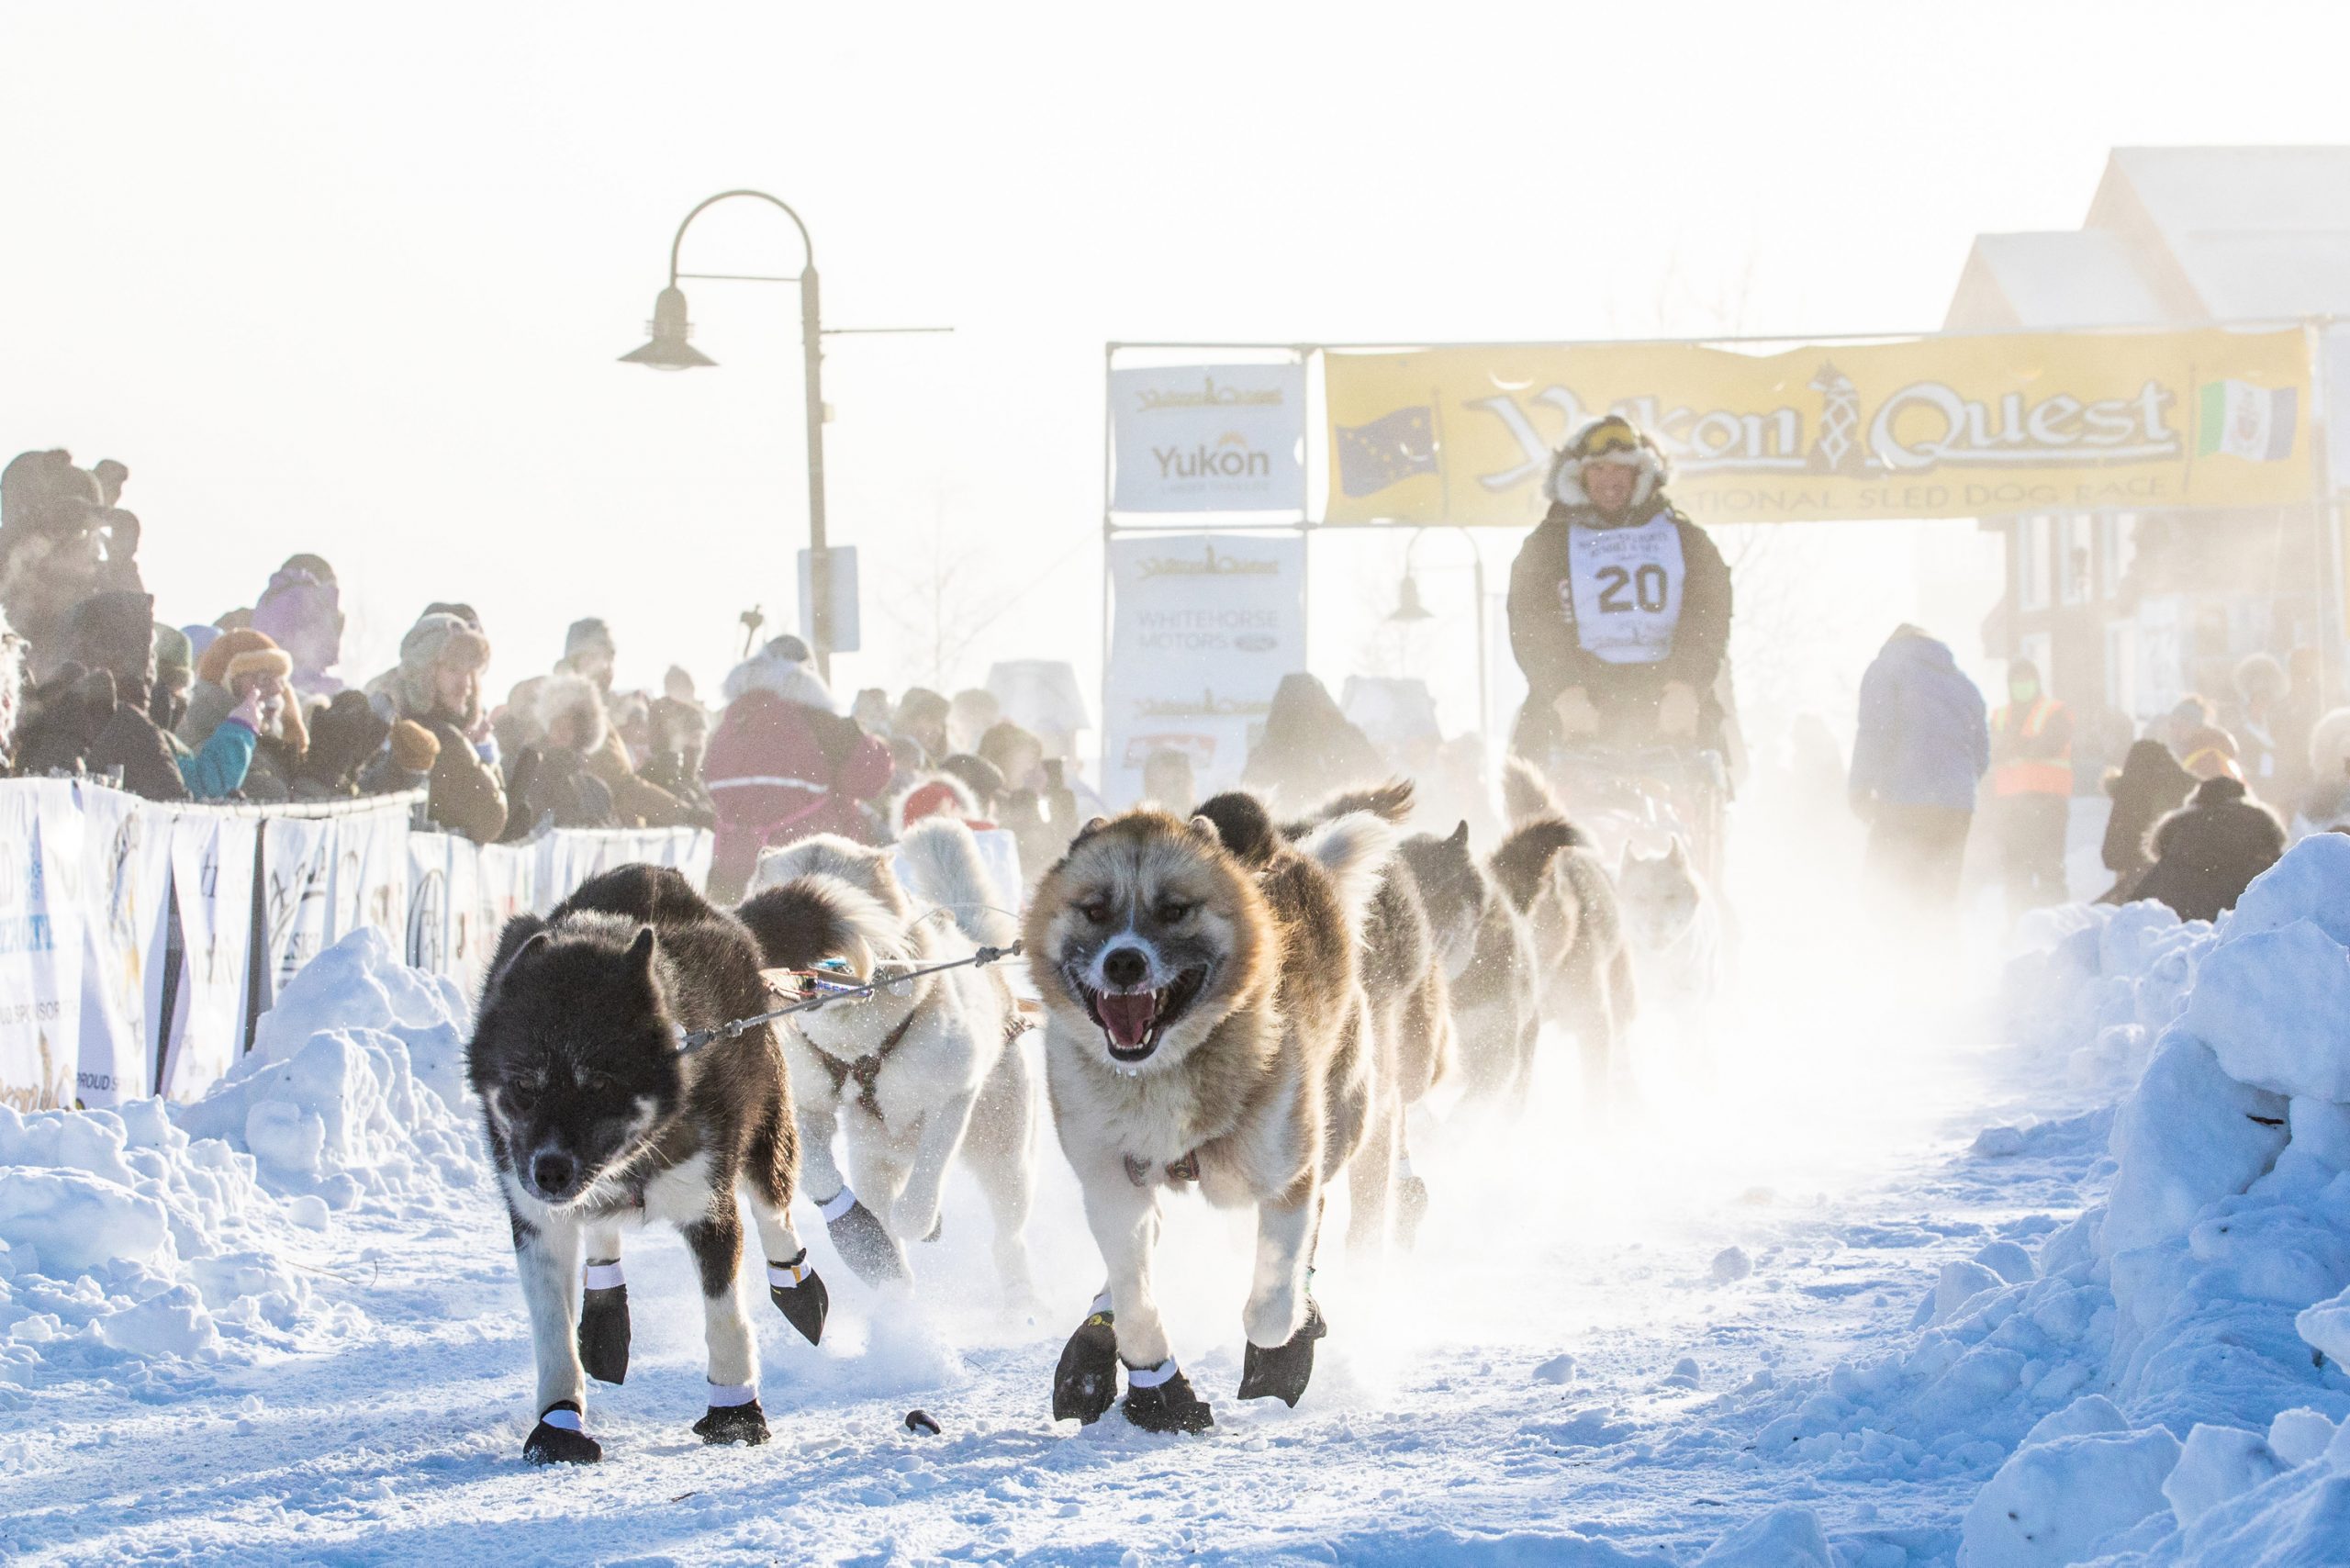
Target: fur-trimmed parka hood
(1565, 484)
(573, 697)
(771, 670)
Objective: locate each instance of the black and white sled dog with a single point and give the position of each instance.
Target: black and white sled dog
(600, 1118)
(1486, 948)
(1205, 1023)
(1411, 1026)
(1546, 867)
(1673, 927)
(919, 1074)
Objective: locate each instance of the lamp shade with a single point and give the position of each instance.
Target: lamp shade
(1407, 603)
(668, 349)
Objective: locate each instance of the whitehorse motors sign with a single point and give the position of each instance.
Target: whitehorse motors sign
(1209, 438)
(1204, 627)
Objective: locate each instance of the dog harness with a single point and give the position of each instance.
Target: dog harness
(866, 1068)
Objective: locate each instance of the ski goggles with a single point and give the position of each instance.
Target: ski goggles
(1608, 437)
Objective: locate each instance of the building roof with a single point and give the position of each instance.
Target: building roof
(2177, 235)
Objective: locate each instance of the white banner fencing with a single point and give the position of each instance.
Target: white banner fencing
(1209, 438)
(140, 942)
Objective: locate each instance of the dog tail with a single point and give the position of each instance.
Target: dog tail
(1354, 850)
(1389, 802)
(941, 865)
(801, 922)
(1525, 794)
(827, 855)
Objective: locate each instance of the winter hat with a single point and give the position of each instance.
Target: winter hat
(790, 678)
(344, 733)
(589, 632)
(113, 631)
(174, 661)
(1609, 437)
(575, 696)
(983, 779)
(2210, 754)
(414, 747)
(302, 612)
(243, 652)
(437, 639)
(199, 638)
(931, 794)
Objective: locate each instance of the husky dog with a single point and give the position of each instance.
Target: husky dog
(598, 1117)
(1674, 928)
(1547, 869)
(1205, 1023)
(917, 1073)
(1487, 952)
(1411, 1025)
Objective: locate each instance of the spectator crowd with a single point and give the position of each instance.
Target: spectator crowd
(253, 707)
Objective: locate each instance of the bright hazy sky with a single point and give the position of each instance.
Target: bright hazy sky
(353, 279)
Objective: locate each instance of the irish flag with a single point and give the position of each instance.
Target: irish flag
(2239, 420)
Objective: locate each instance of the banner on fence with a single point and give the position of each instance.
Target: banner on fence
(297, 860)
(212, 881)
(41, 944)
(126, 875)
(1209, 438)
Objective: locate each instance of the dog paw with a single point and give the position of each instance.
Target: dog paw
(1411, 1208)
(603, 1334)
(1276, 1318)
(745, 1423)
(799, 1295)
(1086, 1382)
(550, 1443)
(1168, 1406)
(867, 1247)
(1283, 1373)
(938, 1226)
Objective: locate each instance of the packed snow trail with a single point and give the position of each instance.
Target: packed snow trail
(1575, 1366)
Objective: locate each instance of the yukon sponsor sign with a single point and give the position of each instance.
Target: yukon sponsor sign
(1202, 628)
(1209, 438)
(1957, 426)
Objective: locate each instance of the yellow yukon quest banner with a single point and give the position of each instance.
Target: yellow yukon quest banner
(1923, 427)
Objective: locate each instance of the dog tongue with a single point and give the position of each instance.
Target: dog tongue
(1128, 1017)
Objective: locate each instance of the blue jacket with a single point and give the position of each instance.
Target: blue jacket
(217, 771)
(1923, 740)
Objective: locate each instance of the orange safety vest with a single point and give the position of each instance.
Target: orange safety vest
(2033, 776)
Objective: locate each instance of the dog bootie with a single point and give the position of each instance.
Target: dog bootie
(734, 1417)
(863, 1244)
(603, 1324)
(1086, 1382)
(1284, 1373)
(798, 1293)
(558, 1440)
(1159, 1399)
(1411, 1207)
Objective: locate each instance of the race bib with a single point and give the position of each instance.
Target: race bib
(1623, 588)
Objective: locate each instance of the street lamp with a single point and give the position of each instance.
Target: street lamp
(668, 349)
(1409, 609)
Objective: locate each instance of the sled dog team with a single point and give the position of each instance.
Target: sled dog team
(1246, 1006)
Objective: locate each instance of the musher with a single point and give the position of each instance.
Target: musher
(1619, 606)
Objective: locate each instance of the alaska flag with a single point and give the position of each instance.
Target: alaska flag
(1392, 447)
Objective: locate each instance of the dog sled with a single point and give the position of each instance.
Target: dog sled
(1644, 797)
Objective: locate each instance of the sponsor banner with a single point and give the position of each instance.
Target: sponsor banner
(212, 890)
(1960, 426)
(1208, 438)
(126, 875)
(297, 857)
(371, 874)
(40, 944)
(1202, 628)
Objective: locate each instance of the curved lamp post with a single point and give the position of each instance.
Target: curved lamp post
(668, 349)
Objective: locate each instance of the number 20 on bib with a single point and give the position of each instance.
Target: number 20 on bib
(1623, 588)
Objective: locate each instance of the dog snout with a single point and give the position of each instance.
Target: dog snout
(553, 1172)
(1124, 968)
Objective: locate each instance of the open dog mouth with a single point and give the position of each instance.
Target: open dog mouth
(1134, 1022)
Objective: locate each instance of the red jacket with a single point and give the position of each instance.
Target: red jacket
(779, 770)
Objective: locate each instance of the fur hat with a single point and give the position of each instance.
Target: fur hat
(414, 748)
(116, 632)
(930, 795)
(174, 660)
(589, 632)
(573, 697)
(1606, 438)
(788, 678)
(2210, 754)
(242, 651)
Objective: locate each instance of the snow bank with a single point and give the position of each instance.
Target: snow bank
(2214, 1278)
(124, 1240)
(348, 1097)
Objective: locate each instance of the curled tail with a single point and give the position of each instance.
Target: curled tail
(801, 922)
(1354, 850)
(1525, 794)
(1389, 802)
(940, 862)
